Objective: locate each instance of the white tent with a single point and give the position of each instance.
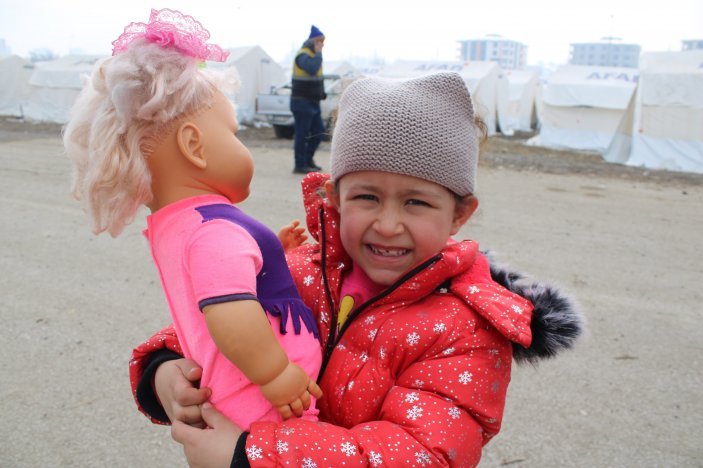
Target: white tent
(482, 79)
(370, 70)
(516, 107)
(258, 72)
(586, 108)
(342, 68)
(669, 112)
(14, 84)
(55, 85)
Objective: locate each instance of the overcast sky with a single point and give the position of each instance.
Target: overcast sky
(387, 29)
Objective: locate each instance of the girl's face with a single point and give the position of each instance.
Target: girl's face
(389, 223)
(230, 167)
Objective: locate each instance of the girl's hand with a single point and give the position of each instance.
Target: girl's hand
(174, 386)
(292, 235)
(205, 448)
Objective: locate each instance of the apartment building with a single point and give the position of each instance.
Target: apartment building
(511, 55)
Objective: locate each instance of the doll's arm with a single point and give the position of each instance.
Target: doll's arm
(243, 334)
(292, 235)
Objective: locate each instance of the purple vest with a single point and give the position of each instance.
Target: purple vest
(275, 289)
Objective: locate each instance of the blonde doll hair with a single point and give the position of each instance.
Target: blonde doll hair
(131, 100)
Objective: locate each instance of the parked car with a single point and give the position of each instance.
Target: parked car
(275, 106)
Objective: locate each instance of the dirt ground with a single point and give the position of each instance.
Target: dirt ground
(622, 241)
(497, 152)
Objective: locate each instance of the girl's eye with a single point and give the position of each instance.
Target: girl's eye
(364, 196)
(416, 202)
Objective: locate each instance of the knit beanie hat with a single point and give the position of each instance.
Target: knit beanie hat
(314, 32)
(422, 127)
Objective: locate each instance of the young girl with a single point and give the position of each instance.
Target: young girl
(417, 337)
(152, 128)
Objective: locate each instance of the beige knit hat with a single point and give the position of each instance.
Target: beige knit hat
(422, 127)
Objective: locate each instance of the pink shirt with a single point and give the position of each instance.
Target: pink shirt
(198, 261)
(357, 288)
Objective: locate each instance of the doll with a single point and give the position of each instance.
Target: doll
(153, 127)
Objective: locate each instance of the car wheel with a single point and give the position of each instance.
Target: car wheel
(283, 131)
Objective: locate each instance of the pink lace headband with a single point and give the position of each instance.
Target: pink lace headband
(171, 28)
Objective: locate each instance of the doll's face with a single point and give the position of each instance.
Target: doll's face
(229, 163)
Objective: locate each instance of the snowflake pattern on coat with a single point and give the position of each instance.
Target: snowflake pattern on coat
(416, 374)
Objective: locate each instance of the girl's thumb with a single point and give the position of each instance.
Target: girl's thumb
(211, 416)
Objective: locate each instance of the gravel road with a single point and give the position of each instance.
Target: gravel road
(622, 241)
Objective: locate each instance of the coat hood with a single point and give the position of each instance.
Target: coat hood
(556, 322)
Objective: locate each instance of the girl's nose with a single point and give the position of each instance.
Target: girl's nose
(388, 223)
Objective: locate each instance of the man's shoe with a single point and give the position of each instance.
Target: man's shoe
(304, 170)
(315, 166)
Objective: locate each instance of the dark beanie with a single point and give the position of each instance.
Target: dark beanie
(314, 32)
(422, 127)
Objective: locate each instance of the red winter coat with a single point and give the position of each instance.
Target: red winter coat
(416, 377)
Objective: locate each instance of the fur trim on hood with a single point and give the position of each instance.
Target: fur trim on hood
(556, 321)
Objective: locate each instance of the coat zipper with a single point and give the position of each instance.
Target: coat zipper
(328, 293)
(333, 338)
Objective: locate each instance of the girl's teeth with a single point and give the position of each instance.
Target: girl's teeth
(388, 252)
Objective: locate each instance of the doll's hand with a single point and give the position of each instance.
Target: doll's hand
(174, 386)
(212, 447)
(292, 235)
(290, 391)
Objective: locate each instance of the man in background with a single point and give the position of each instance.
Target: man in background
(308, 89)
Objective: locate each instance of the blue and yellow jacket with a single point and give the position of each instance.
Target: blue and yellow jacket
(308, 81)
